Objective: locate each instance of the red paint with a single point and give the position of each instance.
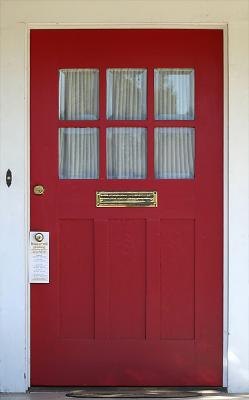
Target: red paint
(136, 294)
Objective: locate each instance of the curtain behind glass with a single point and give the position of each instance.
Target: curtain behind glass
(126, 94)
(174, 94)
(78, 153)
(79, 94)
(174, 153)
(126, 153)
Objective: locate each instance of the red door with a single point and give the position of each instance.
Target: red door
(135, 293)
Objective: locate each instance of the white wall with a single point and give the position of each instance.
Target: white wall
(15, 15)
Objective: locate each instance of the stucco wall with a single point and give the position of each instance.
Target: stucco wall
(16, 17)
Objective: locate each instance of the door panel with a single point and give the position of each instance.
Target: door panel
(135, 293)
(127, 264)
(75, 294)
(177, 284)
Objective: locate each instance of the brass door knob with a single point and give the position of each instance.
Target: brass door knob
(39, 190)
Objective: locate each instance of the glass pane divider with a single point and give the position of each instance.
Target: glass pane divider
(102, 153)
(121, 123)
(100, 123)
(150, 151)
(103, 125)
(174, 123)
(150, 95)
(150, 123)
(102, 95)
(125, 124)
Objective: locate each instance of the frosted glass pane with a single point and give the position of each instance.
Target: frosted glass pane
(78, 153)
(126, 94)
(79, 94)
(174, 94)
(126, 153)
(174, 153)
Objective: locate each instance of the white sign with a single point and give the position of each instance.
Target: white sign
(39, 257)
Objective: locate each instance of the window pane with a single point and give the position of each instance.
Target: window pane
(79, 94)
(78, 153)
(174, 94)
(174, 153)
(126, 153)
(126, 94)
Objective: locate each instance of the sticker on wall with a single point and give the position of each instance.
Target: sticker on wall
(39, 257)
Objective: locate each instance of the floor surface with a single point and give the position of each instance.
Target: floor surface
(42, 395)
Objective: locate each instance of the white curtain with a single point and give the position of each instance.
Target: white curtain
(174, 94)
(126, 94)
(78, 153)
(79, 94)
(126, 153)
(174, 153)
(126, 147)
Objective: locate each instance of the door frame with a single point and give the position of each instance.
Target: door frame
(192, 26)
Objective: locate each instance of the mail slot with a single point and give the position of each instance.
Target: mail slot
(126, 199)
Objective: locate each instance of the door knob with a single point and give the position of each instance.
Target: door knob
(39, 190)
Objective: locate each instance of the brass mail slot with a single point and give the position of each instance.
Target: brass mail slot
(126, 199)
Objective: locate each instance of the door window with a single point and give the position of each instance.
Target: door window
(174, 94)
(126, 146)
(174, 153)
(126, 153)
(79, 153)
(126, 94)
(79, 94)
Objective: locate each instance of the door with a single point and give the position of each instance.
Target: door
(135, 292)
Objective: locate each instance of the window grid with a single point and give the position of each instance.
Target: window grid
(150, 123)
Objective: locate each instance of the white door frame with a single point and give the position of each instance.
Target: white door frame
(222, 27)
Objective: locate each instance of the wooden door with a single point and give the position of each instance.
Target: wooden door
(135, 293)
